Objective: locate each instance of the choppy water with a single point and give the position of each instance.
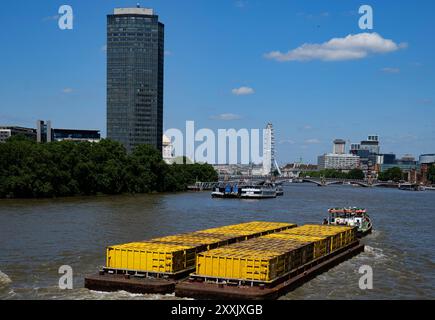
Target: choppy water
(39, 236)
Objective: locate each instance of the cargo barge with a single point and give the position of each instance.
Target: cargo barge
(251, 261)
(199, 288)
(156, 265)
(270, 266)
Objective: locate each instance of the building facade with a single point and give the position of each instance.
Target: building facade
(339, 146)
(43, 131)
(371, 144)
(135, 62)
(168, 150)
(427, 159)
(338, 161)
(76, 135)
(9, 131)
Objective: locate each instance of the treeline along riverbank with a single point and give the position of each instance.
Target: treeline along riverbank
(58, 169)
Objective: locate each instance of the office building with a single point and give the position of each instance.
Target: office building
(389, 158)
(135, 62)
(354, 148)
(427, 159)
(371, 144)
(76, 135)
(338, 161)
(9, 131)
(43, 131)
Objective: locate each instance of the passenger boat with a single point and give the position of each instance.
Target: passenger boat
(227, 191)
(265, 191)
(352, 217)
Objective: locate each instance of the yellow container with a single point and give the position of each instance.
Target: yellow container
(339, 236)
(150, 257)
(176, 253)
(260, 259)
(321, 244)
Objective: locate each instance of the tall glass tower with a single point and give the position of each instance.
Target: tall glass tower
(135, 62)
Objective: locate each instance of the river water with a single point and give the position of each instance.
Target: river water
(39, 236)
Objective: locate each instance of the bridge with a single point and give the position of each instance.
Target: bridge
(361, 183)
(322, 182)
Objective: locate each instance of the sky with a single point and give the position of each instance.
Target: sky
(305, 66)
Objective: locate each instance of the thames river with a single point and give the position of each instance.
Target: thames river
(39, 236)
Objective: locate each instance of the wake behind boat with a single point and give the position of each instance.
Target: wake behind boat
(352, 217)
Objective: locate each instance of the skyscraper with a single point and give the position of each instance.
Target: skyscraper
(269, 163)
(135, 62)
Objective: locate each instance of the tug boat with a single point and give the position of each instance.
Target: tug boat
(352, 217)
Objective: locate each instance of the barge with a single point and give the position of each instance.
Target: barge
(156, 265)
(270, 266)
(209, 289)
(250, 261)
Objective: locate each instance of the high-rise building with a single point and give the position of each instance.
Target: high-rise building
(339, 146)
(135, 62)
(268, 150)
(371, 144)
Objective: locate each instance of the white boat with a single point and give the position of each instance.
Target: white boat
(258, 192)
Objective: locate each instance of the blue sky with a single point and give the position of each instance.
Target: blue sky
(214, 47)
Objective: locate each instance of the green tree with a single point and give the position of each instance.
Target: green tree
(431, 174)
(28, 169)
(356, 174)
(146, 170)
(394, 174)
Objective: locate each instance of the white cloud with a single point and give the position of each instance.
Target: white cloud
(67, 90)
(312, 141)
(390, 70)
(227, 117)
(104, 48)
(351, 47)
(308, 127)
(243, 91)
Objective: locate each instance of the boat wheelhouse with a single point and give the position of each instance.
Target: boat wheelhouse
(352, 217)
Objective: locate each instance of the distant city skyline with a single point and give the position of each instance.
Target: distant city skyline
(227, 70)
